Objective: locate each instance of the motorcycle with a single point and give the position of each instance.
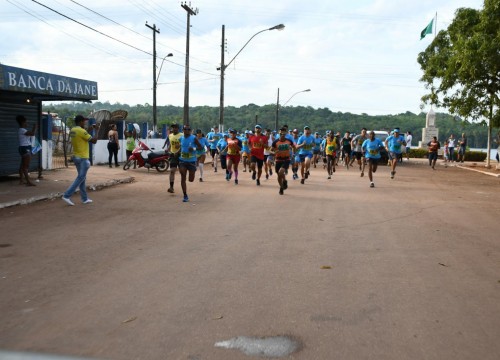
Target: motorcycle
(158, 160)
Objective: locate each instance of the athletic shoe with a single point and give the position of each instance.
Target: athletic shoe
(392, 174)
(281, 191)
(227, 177)
(329, 177)
(186, 199)
(201, 179)
(88, 201)
(307, 174)
(372, 184)
(258, 182)
(171, 190)
(267, 177)
(295, 176)
(271, 172)
(254, 175)
(362, 174)
(68, 201)
(236, 181)
(302, 181)
(244, 170)
(285, 184)
(215, 169)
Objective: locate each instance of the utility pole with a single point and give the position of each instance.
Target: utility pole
(190, 12)
(277, 111)
(222, 69)
(155, 31)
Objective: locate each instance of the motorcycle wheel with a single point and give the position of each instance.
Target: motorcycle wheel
(162, 166)
(126, 166)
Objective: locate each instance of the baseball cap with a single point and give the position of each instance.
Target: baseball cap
(307, 127)
(258, 126)
(175, 125)
(231, 130)
(396, 130)
(198, 131)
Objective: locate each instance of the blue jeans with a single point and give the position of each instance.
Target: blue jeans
(82, 166)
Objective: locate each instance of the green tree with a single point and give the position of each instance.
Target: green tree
(462, 66)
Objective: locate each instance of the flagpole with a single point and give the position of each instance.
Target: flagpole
(436, 25)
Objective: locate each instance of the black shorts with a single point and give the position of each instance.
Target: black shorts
(213, 152)
(259, 162)
(189, 166)
(358, 155)
(372, 161)
(433, 156)
(282, 165)
(24, 150)
(315, 152)
(174, 160)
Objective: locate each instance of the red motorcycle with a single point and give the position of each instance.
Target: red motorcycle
(158, 160)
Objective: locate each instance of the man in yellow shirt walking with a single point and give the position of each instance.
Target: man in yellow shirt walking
(80, 139)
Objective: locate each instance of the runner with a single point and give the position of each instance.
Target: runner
(316, 150)
(282, 149)
(222, 151)
(245, 150)
(357, 145)
(393, 145)
(305, 144)
(233, 155)
(371, 146)
(345, 143)
(268, 156)
(213, 138)
(257, 144)
(295, 160)
(329, 146)
(189, 144)
(201, 154)
(173, 147)
(433, 147)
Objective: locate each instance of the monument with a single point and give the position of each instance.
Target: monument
(430, 129)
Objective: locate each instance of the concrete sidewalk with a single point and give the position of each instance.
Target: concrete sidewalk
(55, 182)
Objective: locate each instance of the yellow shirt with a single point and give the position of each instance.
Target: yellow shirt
(331, 146)
(175, 143)
(80, 140)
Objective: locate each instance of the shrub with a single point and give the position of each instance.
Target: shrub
(475, 156)
(418, 153)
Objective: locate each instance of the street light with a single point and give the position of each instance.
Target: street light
(155, 85)
(278, 104)
(223, 67)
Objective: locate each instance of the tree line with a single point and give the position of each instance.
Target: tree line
(322, 119)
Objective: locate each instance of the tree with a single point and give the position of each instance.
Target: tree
(462, 66)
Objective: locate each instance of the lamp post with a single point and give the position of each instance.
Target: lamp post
(223, 67)
(155, 85)
(286, 102)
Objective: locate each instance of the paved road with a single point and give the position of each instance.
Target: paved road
(407, 270)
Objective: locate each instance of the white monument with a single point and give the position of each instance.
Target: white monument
(430, 129)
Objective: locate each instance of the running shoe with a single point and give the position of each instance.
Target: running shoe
(201, 179)
(267, 177)
(362, 174)
(302, 181)
(68, 201)
(392, 174)
(307, 174)
(281, 191)
(329, 177)
(236, 181)
(295, 176)
(171, 190)
(271, 172)
(372, 184)
(227, 177)
(88, 201)
(285, 184)
(254, 175)
(186, 199)
(258, 182)
(215, 170)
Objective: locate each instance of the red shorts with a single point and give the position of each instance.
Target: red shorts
(234, 158)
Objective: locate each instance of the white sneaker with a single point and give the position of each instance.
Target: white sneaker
(68, 201)
(88, 201)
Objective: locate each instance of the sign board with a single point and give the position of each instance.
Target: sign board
(34, 82)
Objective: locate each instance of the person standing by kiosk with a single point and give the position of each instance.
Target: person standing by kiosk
(24, 136)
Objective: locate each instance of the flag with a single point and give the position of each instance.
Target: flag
(427, 30)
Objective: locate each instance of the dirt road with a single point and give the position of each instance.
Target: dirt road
(407, 270)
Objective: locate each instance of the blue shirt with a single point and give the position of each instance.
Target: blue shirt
(372, 148)
(317, 143)
(244, 144)
(394, 143)
(221, 145)
(188, 148)
(204, 143)
(215, 137)
(309, 142)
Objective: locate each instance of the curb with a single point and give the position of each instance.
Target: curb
(50, 196)
(479, 171)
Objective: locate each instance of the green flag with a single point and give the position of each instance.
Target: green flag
(427, 30)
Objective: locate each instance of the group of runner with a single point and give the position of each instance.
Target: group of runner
(260, 150)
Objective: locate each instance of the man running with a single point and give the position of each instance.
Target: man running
(202, 153)
(245, 150)
(173, 147)
(357, 145)
(282, 149)
(393, 145)
(433, 146)
(257, 144)
(329, 146)
(371, 146)
(213, 138)
(295, 160)
(305, 144)
(316, 151)
(189, 144)
(345, 143)
(268, 156)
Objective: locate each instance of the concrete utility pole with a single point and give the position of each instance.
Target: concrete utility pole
(155, 31)
(190, 12)
(222, 69)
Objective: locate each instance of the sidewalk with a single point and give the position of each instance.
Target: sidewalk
(55, 182)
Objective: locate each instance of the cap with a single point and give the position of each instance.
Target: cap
(396, 130)
(186, 127)
(295, 131)
(307, 127)
(226, 135)
(316, 133)
(174, 125)
(258, 126)
(231, 130)
(198, 131)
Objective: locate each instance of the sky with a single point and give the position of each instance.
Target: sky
(354, 56)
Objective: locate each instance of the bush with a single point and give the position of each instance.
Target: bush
(478, 156)
(419, 153)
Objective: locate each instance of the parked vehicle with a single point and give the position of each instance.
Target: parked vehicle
(158, 160)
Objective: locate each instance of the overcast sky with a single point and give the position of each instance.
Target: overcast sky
(355, 56)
